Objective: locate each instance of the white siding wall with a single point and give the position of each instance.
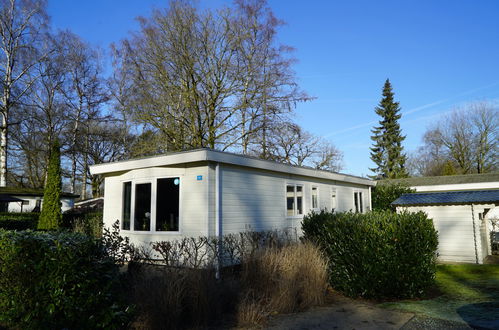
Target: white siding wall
(194, 208)
(454, 224)
(256, 199)
(251, 199)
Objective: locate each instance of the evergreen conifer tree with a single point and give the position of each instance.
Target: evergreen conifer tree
(51, 215)
(387, 151)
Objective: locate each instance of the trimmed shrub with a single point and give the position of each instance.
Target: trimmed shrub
(384, 194)
(378, 254)
(18, 221)
(58, 280)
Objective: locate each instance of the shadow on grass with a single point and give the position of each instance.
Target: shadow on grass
(468, 294)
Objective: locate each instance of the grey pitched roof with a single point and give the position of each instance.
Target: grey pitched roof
(450, 197)
(447, 179)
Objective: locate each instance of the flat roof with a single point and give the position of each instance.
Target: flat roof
(208, 155)
(449, 198)
(445, 179)
(30, 192)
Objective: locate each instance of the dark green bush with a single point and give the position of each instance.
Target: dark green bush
(88, 223)
(378, 254)
(18, 221)
(58, 280)
(384, 194)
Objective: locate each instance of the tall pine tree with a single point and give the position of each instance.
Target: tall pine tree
(51, 215)
(387, 151)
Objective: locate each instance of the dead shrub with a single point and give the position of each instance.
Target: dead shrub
(174, 298)
(284, 280)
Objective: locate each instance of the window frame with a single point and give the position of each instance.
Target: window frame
(358, 208)
(333, 200)
(152, 226)
(317, 206)
(295, 208)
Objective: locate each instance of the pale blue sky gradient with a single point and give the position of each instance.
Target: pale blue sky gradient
(437, 54)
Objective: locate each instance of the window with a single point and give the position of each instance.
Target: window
(294, 200)
(142, 213)
(167, 204)
(315, 198)
(25, 202)
(357, 199)
(151, 206)
(127, 205)
(333, 199)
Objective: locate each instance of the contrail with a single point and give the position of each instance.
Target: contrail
(413, 110)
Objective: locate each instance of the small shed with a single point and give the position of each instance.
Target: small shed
(460, 219)
(210, 193)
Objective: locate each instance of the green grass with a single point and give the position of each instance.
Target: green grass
(467, 293)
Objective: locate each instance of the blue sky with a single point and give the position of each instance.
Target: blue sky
(438, 55)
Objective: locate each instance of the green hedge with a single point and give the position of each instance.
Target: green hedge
(58, 280)
(384, 194)
(378, 254)
(89, 223)
(18, 221)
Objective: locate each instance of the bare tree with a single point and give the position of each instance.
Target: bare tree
(289, 143)
(206, 79)
(22, 22)
(465, 141)
(85, 93)
(42, 116)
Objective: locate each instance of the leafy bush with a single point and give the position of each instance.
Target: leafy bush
(378, 254)
(58, 280)
(18, 221)
(384, 194)
(88, 223)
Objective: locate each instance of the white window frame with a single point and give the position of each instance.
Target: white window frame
(317, 206)
(360, 200)
(295, 208)
(334, 199)
(154, 196)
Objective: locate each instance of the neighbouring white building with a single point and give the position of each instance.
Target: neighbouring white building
(208, 193)
(461, 207)
(13, 199)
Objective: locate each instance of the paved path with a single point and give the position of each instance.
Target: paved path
(345, 313)
(342, 313)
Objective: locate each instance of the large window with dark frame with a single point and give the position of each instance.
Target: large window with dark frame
(167, 204)
(127, 206)
(139, 201)
(142, 212)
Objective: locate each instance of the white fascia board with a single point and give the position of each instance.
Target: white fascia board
(226, 158)
(457, 186)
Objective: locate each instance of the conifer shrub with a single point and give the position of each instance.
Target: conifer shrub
(51, 214)
(58, 280)
(376, 255)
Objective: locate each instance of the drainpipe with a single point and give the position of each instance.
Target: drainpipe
(370, 199)
(218, 200)
(474, 233)
(218, 218)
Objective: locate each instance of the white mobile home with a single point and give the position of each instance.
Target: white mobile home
(461, 207)
(206, 193)
(13, 199)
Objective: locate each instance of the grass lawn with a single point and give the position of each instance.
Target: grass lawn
(467, 293)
